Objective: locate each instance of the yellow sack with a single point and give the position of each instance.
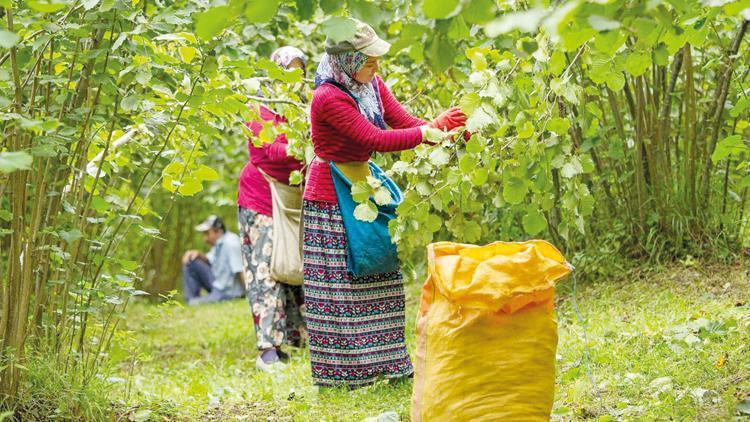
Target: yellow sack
(486, 332)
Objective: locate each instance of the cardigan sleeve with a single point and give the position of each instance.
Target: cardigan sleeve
(394, 113)
(341, 113)
(276, 150)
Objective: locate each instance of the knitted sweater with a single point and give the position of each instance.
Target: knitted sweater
(254, 191)
(340, 133)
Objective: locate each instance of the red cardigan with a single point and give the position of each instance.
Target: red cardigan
(254, 192)
(340, 133)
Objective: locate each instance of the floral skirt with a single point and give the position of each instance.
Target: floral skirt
(355, 324)
(277, 307)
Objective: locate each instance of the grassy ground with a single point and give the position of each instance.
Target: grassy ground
(669, 344)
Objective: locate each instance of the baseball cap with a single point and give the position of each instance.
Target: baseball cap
(212, 222)
(365, 40)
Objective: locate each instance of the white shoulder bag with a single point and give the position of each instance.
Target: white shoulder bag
(286, 255)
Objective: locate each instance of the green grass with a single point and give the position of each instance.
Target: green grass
(658, 342)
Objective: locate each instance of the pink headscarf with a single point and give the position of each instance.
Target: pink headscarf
(284, 56)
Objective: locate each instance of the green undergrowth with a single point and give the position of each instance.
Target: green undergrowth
(664, 344)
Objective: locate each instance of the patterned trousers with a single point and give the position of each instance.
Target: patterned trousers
(277, 308)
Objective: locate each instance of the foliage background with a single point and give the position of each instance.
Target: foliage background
(618, 129)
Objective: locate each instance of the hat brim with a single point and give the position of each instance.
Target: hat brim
(377, 49)
(203, 227)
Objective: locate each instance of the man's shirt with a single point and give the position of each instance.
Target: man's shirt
(226, 262)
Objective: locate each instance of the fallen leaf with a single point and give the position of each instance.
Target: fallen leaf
(722, 361)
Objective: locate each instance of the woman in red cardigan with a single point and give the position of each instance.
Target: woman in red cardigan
(355, 324)
(275, 306)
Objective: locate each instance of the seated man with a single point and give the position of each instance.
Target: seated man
(219, 272)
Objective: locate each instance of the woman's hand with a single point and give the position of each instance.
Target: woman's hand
(449, 119)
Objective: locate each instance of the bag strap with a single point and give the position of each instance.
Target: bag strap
(271, 180)
(265, 175)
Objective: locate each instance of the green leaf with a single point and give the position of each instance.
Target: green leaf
(70, 236)
(576, 38)
(339, 28)
(366, 211)
(514, 190)
(434, 223)
(190, 187)
(605, 70)
(130, 103)
(602, 23)
(367, 11)
(295, 178)
(566, 89)
(15, 160)
(90, 4)
(661, 56)
(128, 264)
(330, 6)
(472, 232)
(637, 63)
(741, 105)
(383, 196)
(458, 29)
(210, 23)
(467, 163)
(558, 125)
(729, 146)
(479, 119)
(434, 135)
(439, 157)
(615, 81)
(100, 204)
(572, 168)
(529, 46)
(206, 173)
(743, 407)
(440, 9)
(141, 415)
(441, 54)
(361, 191)
(8, 39)
(306, 9)
(277, 72)
(106, 5)
(534, 222)
(526, 21)
(469, 103)
(557, 63)
(478, 11)
(474, 145)
(44, 6)
(6, 215)
(480, 176)
(609, 42)
(526, 131)
(187, 53)
(261, 11)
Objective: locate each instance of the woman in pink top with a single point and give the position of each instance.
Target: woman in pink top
(356, 324)
(275, 306)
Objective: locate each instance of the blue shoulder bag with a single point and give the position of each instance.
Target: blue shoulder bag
(370, 249)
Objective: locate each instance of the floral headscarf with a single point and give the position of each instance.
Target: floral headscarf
(340, 69)
(284, 56)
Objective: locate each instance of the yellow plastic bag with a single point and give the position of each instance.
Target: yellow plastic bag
(486, 332)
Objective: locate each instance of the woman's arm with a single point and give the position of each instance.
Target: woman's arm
(395, 115)
(340, 111)
(276, 150)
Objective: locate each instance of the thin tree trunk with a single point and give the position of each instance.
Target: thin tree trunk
(715, 120)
